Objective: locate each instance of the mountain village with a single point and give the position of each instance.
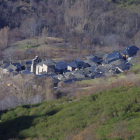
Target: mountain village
(91, 67)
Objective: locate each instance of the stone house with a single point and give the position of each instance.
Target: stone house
(45, 67)
(35, 61)
(113, 57)
(130, 51)
(8, 68)
(76, 65)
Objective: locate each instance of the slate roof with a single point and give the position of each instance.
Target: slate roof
(68, 81)
(61, 65)
(103, 69)
(96, 75)
(55, 81)
(90, 63)
(93, 69)
(23, 63)
(69, 75)
(85, 71)
(41, 63)
(78, 64)
(29, 62)
(89, 57)
(48, 62)
(18, 65)
(102, 56)
(60, 77)
(118, 62)
(122, 68)
(131, 50)
(113, 57)
(93, 58)
(78, 75)
(128, 65)
(6, 65)
(25, 72)
(9, 67)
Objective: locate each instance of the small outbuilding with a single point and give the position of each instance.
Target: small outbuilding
(130, 51)
(113, 57)
(94, 59)
(76, 65)
(90, 63)
(61, 66)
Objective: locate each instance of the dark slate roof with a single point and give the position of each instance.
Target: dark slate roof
(69, 75)
(95, 59)
(123, 67)
(128, 65)
(118, 62)
(57, 69)
(18, 65)
(41, 63)
(26, 72)
(90, 63)
(6, 65)
(93, 69)
(113, 57)
(96, 75)
(85, 71)
(23, 63)
(60, 77)
(73, 64)
(47, 62)
(103, 69)
(70, 80)
(55, 81)
(78, 64)
(79, 75)
(9, 67)
(66, 71)
(102, 56)
(61, 65)
(29, 62)
(105, 62)
(89, 57)
(131, 50)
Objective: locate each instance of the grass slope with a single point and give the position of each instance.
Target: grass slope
(105, 115)
(131, 5)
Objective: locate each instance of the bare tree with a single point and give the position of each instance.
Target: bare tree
(4, 37)
(10, 54)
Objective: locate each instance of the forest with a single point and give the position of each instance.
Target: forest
(86, 24)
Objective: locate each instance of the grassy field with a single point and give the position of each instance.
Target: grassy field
(37, 42)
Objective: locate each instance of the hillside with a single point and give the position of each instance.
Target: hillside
(86, 25)
(105, 109)
(107, 115)
(131, 5)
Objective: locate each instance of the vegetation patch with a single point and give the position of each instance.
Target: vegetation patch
(114, 114)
